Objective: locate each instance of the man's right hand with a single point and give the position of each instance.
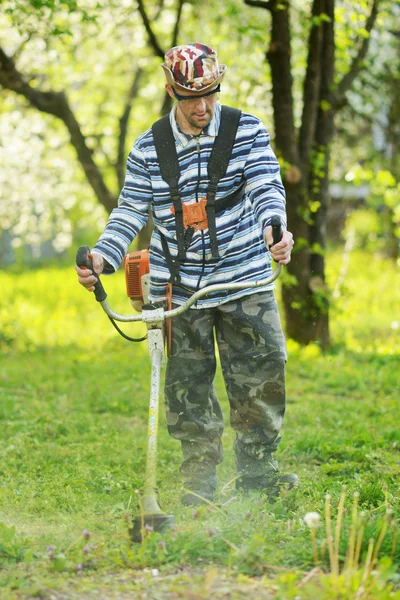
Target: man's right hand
(86, 277)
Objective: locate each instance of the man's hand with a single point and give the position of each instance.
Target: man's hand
(281, 251)
(86, 277)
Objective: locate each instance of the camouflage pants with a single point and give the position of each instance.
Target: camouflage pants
(252, 352)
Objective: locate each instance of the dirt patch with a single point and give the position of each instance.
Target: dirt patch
(181, 584)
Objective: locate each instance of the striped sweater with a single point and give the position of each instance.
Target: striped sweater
(243, 255)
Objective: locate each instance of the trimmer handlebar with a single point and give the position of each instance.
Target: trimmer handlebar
(84, 261)
(276, 229)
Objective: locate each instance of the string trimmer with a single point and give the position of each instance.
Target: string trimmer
(155, 318)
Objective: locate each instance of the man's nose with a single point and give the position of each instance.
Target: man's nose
(200, 103)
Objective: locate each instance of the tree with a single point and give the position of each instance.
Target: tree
(96, 79)
(56, 102)
(369, 126)
(305, 151)
(98, 121)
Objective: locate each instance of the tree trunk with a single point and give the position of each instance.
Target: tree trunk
(300, 299)
(393, 135)
(306, 179)
(296, 293)
(319, 182)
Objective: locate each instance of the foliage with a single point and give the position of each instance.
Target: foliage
(72, 455)
(48, 204)
(91, 51)
(368, 145)
(93, 57)
(382, 204)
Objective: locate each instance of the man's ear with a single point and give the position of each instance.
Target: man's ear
(169, 90)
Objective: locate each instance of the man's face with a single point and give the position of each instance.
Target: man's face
(194, 114)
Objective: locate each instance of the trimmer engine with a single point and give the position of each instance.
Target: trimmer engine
(137, 266)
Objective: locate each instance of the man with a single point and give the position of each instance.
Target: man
(194, 246)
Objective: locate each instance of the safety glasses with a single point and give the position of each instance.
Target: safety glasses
(197, 96)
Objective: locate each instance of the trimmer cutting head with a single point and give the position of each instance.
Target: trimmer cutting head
(159, 522)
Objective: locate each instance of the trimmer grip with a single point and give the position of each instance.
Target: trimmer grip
(276, 229)
(84, 261)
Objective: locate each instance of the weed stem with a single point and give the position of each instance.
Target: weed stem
(338, 528)
(329, 537)
(353, 532)
(368, 562)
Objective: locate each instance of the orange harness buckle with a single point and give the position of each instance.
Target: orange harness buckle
(194, 215)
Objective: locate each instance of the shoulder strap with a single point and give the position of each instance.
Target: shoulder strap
(218, 164)
(223, 144)
(164, 142)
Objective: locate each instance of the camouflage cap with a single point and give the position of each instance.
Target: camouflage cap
(193, 68)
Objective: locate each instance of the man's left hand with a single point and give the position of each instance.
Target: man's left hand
(281, 251)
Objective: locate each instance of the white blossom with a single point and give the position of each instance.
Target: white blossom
(312, 519)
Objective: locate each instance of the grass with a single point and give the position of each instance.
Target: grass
(72, 457)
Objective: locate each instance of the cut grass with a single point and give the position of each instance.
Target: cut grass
(72, 453)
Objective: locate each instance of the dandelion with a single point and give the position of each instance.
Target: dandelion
(312, 519)
(154, 572)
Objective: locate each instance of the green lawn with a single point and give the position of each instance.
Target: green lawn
(72, 456)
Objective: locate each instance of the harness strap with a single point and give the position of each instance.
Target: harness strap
(222, 204)
(230, 200)
(218, 164)
(164, 142)
(173, 264)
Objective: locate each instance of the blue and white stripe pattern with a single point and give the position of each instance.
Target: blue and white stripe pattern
(243, 255)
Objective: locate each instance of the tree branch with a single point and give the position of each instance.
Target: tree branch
(152, 38)
(371, 119)
(123, 127)
(267, 4)
(167, 103)
(159, 9)
(23, 43)
(56, 104)
(356, 64)
(311, 86)
(278, 56)
(177, 23)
